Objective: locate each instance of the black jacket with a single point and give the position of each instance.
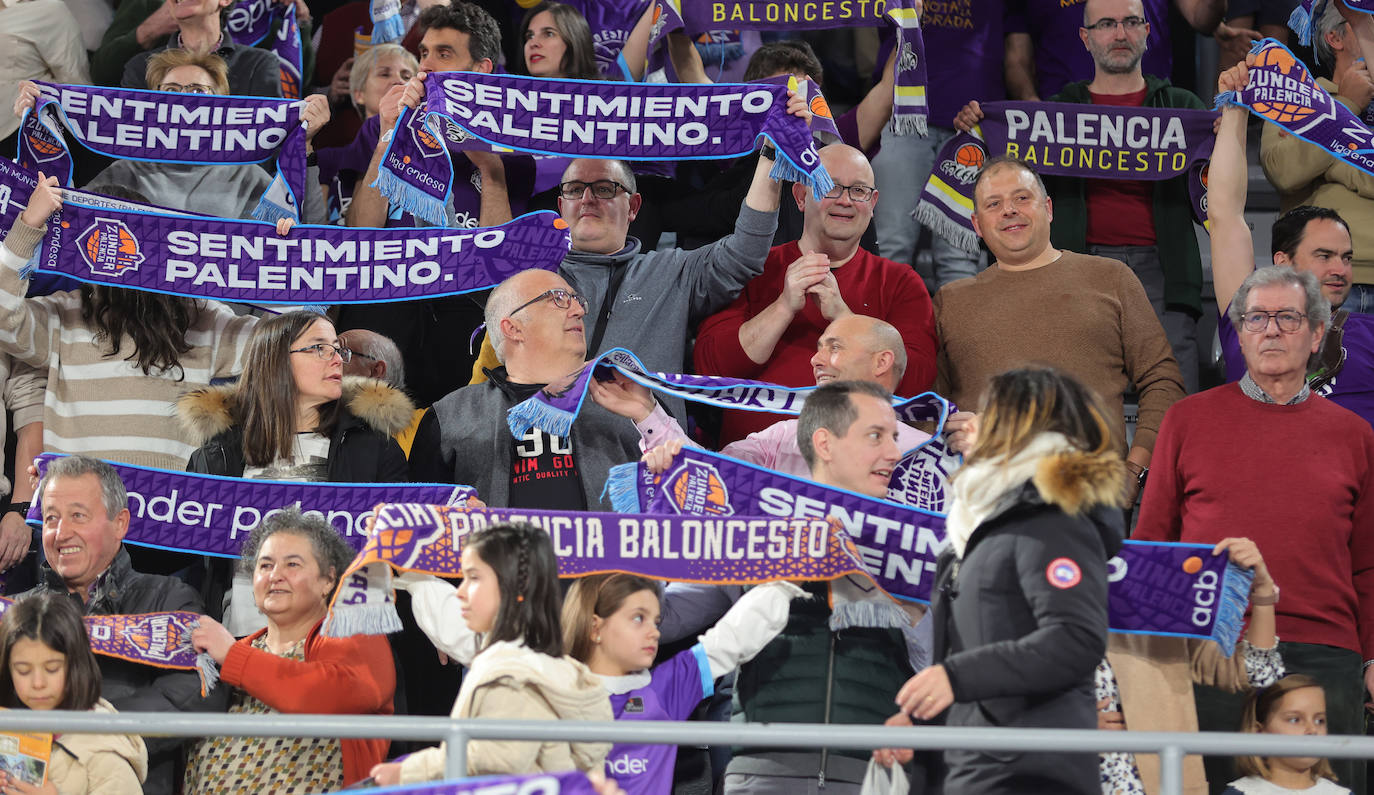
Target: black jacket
(361, 449)
(132, 687)
(1021, 622)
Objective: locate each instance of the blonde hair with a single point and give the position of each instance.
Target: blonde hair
(167, 60)
(363, 63)
(1023, 403)
(599, 595)
(1258, 706)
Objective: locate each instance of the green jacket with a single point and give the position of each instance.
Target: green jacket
(1173, 214)
(789, 680)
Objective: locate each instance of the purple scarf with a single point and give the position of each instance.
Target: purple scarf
(719, 549)
(250, 23)
(246, 261)
(554, 413)
(571, 782)
(16, 185)
(587, 118)
(1282, 92)
(909, 109)
(1061, 139)
(165, 127)
(212, 515)
(1155, 589)
(162, 640)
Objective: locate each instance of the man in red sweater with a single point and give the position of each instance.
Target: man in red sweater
(1268, 458)
(769, 333)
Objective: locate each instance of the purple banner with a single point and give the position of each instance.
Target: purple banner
(212, 515)
(554, 412)
(249, 262)
(571, 782)
(250, 21)
(16, 185)
(169, 127)
(716, 548)
(909, 109)
(1062, 139)
(1177, 589)
(898, 544)
(1281, 91)
(590, 118)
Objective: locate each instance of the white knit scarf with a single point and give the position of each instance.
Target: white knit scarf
(981, 487)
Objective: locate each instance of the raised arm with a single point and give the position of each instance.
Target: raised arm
(1233, 251)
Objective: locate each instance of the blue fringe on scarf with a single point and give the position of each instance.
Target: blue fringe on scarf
(387, 29)
(209, 673)
(529, 413)
(375, 619)
(1231, 606)
(784, 169)
(622, 486)
(1302, 20)
(410, 200)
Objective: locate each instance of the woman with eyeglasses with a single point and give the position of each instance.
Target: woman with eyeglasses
(293, 416)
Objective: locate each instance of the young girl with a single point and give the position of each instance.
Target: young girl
(610, 622)
(509, 637)
(46, 663)
(1296, 704)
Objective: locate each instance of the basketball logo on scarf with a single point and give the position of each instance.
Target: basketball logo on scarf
(157, 637)
(43, 145)
(696, 489)
(425, 141)
(966, 163)
(908, 61)
(110, 248)
(1063, 573)
(396, 536)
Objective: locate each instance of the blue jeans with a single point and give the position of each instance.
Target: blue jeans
(900, 171)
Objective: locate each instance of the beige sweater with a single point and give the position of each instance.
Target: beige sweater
(98, 764)
(1087, 316)
(511, 682)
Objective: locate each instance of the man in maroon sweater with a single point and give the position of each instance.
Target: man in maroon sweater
(769, 332)
(1268, 458)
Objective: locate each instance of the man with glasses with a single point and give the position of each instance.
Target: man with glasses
(769, 332)
(1268, 458)
(536, 325)
(1146, 224)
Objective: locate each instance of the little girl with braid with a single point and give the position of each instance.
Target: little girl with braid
(509, 636)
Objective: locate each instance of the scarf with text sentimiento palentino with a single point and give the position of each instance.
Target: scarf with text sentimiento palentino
(1062, 139)
(1155, 588)
(170, 127)
(247, 261)
(213, 514)
(162, 640)
(587, 118)
(555, 408)
(909, 110)
(252, 21)
(1282, 91)
(720, 550)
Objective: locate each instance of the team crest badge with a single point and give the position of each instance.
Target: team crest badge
(42, 145)
(425, 141)
(109, 248)
(696, 489)
(966, 163)
(157, 637)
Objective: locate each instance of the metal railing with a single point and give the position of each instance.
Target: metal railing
(1171, 746)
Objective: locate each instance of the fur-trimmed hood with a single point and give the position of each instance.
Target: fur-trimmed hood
(206, 413)
(1049, 470)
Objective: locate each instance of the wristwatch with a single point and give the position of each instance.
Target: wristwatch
(1271, 599)
(21, 508)
(769, 151)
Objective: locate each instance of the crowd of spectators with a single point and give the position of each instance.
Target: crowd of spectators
(1075, 339)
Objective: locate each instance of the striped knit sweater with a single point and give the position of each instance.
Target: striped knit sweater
(102, 405)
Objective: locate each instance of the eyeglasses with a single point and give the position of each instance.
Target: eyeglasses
(561, 299)
(1108, 24)
(325, 351)
(601, 189)
(192, 88)
(857, 193)
(1258, 320)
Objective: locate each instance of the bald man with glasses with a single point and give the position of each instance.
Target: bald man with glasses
(536, 324)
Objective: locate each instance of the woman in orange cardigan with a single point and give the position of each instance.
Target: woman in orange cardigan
(295, 563)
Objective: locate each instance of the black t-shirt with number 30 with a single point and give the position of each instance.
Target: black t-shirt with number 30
(543, 467)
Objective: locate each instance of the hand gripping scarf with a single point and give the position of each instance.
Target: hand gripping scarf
(252, 21)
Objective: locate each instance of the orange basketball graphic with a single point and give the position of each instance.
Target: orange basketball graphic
(1193, 564)
(1285, 112)
(44, 147)
(820, 107)
(290, 85)
(1278, 56)
(426, 140)
(1206, 170)
(124, 243)
(970, 155)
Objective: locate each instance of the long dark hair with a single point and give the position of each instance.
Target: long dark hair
(527, 573)
(156, 323)
(579, 53)
(53, 620)
(1028, 401)
(265, 403)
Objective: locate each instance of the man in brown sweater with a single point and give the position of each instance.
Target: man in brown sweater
(1087, 316)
